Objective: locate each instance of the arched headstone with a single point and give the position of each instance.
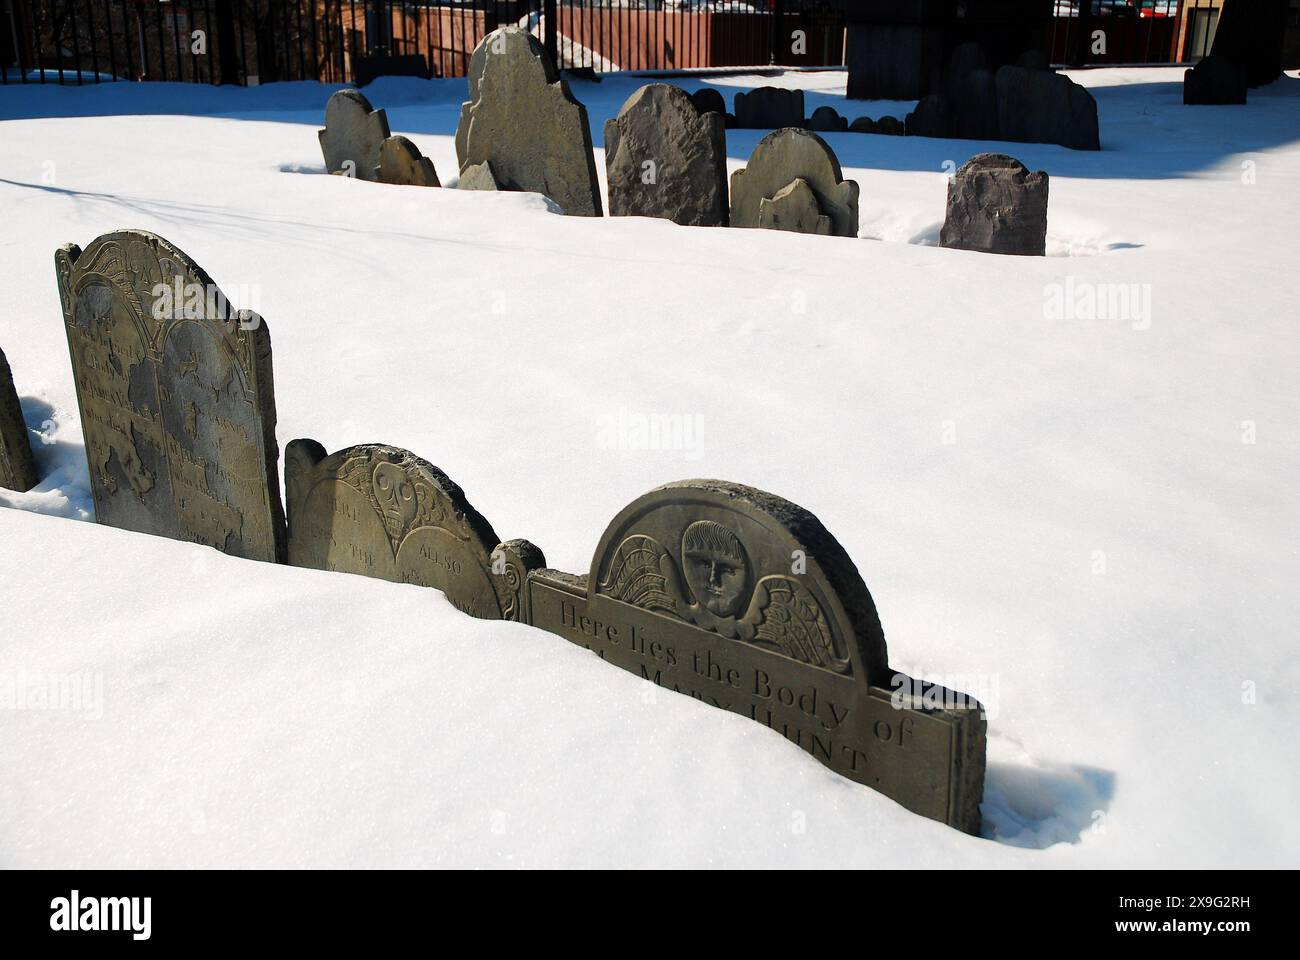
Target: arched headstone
(401, 162)
(353, 135)
(995, 205)
(782, 157)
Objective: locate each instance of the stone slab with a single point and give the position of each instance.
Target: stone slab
(995, 205)
(779, 159)
(17, 467)
(353, 134)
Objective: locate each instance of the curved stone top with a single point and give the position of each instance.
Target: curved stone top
(353, 131)
(991, 162)
(784, 156)
(747, 565)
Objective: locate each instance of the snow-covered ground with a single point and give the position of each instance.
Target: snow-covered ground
(1089, 521)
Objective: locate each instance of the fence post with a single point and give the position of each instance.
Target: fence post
(778, 21)
(551, 39)
(226, 41)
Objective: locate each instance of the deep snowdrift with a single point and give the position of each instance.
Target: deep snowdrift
(1062, 514)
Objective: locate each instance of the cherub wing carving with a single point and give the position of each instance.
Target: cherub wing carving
(643, 574)
(785, 615)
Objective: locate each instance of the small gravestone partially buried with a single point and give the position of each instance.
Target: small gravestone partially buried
(783, 157)
(932, 117)
(827, 120)
(709, 100)
(794, 208)
(890, 126)
(176, 395)
(400, 162)
(353, 135)
(522, 119)
(1216, 80)
(1038, 106)
(769, 108)
(743, 600)
(477, 176)
(17, 468)
(862, 125)
(995, 205)
(663, 158)
(382, 512)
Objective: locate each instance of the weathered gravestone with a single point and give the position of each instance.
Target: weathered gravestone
(745, 601)
(862, 125)
(17, 469)
(522, 119)
(827, 120)
(1216, 80)
(781, 158)
(353, 135)
(477, 176)
(890, 126)
(400, 162)
(382, 512)
(933, 117)
(769, 108)
(176, 395)
(794, 208)
(663, 158)
(995, 205)
(1038, 106)
(709, 100)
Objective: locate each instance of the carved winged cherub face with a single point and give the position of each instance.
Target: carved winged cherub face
(396, 496)
(715, 567)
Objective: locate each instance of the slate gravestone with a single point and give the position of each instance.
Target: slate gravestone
(995, 205)
(781, 158)
(769, 108)
(709, 100)
(826, 120)
(663, 158)
(477, 176)
(522, 119)
(17, 469)
(382, 512)
(932, 117)
(890, 126)
(794, 208)
(176, 396)
(1216, 80)
(745, 601)
(862, 125)
(1037, 106)
(353, 135)
(401, 162)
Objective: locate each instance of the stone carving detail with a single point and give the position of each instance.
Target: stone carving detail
(781, 158)
(176, 395)
(769, 108)
(400, 162)
(512, 562)
(353, 135)
(744, 600)
(383, 512)
(666, 159)
(995, 205)
(522, 119)
(17, 469)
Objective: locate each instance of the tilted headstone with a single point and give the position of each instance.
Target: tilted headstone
(769, 108)
(17, 469)
(663, 158)
(1216, 80)
(522, 119)
(383, 512)
(1037, 106)
(353, 135)
(995, 205)
(400, 162)
(794, 208)
(176, 394)
(827, 120)
(933, 117)
(745, 601)
(477, 176)
(782, 157)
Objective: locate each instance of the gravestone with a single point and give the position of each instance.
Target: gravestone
(782, 157)
(1037, 106)
(933, 117)
(522, 119)
(794, 208)
(400, 162)
(1216, 80)
(995, 205)
(827, 120)
(477, 176)
(17, 469)
(769, 108)
(890, 126)
(353, 135)
(176, 395)
(709, 100)
(663, 158)
(746, 602)
(382, 512)
(971, 94)
(862, 125)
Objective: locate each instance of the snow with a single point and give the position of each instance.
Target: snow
(1063, 514)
